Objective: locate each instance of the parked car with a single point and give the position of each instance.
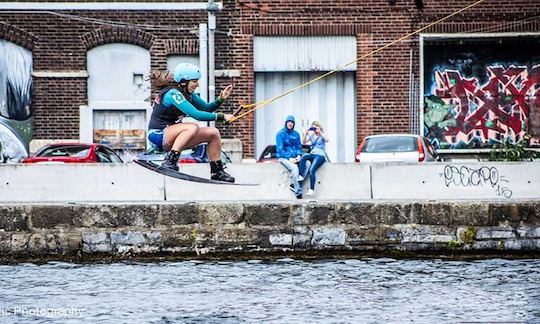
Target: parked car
(198, 154)
(268, 155)
(406, 148)
(74, 153)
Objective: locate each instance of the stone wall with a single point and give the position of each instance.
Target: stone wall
(245, 230)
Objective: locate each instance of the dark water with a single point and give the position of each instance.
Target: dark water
(284, 291)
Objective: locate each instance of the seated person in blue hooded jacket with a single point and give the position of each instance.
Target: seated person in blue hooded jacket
(289, 152)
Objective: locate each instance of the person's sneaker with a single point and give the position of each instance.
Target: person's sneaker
(300, 178)
(217, 172)
(310, 192)
(291, 187)
(168, 164)
(298, 195)
(171, 160)
(222, 176)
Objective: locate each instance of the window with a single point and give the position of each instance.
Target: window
(113, 156)
(105, 155)
(73, 151)
(390, 144)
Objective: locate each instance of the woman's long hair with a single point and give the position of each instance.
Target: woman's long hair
(163, 79)
(316, 123)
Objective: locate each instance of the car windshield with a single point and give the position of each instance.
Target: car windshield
(73, 151)
(270, 151)
(390, 144)
(107, 156)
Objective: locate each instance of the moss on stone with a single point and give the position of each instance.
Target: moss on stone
(454, 244)
(500, 245)
(469, 235)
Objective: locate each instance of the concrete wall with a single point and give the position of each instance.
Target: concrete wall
(336, 182)
(90, 231)
(233, 148)
(78, 182)
(470, 180)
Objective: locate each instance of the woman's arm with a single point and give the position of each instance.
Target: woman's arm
(211, 107)
(324, 137)
(306, 140)
(176, 99)
(203, 105)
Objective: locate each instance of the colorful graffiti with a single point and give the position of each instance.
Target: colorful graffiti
(16, 122)
(481, 91)
(470, 114)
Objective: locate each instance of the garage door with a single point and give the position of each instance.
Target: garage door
(282, 63)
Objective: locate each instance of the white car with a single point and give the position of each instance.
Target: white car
(404, 148)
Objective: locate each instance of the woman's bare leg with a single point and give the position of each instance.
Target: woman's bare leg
(212, 137)
(178, 136)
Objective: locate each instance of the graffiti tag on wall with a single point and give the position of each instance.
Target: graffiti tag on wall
(462, 113)
(482, 177)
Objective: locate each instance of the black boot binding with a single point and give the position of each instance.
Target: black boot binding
(171, 160)
(218, 173)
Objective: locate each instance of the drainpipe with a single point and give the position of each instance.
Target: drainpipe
(412, 119)
(212, 8)
(203, 61)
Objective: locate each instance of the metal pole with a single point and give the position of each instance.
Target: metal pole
(203, 61)
(412, 119)
(211, 59)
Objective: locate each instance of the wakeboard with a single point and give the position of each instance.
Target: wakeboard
(184, 176)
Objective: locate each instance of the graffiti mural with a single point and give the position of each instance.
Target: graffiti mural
(15, 102)
(472, 100)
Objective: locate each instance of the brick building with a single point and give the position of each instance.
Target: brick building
(438, 83)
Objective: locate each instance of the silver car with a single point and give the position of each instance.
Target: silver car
(405, 148)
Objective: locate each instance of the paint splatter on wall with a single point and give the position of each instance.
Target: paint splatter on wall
(15, 101)
(481, 92)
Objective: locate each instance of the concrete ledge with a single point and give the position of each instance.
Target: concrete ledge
(130, 182)
(471, 180)
(335, 182)
(78, 183)
(253, 228)
(233, 148)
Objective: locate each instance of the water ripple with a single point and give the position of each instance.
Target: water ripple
(287, 290)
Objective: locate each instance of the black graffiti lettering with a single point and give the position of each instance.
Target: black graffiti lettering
(503, 191)
(448, 172)
(464, 176)
(476, 178)
(469, 177)
(494, 176)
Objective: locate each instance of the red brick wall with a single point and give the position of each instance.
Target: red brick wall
(60, 44)
(57, 102)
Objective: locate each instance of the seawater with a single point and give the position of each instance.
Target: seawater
(281, 291)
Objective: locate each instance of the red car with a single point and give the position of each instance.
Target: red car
(74, 153)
